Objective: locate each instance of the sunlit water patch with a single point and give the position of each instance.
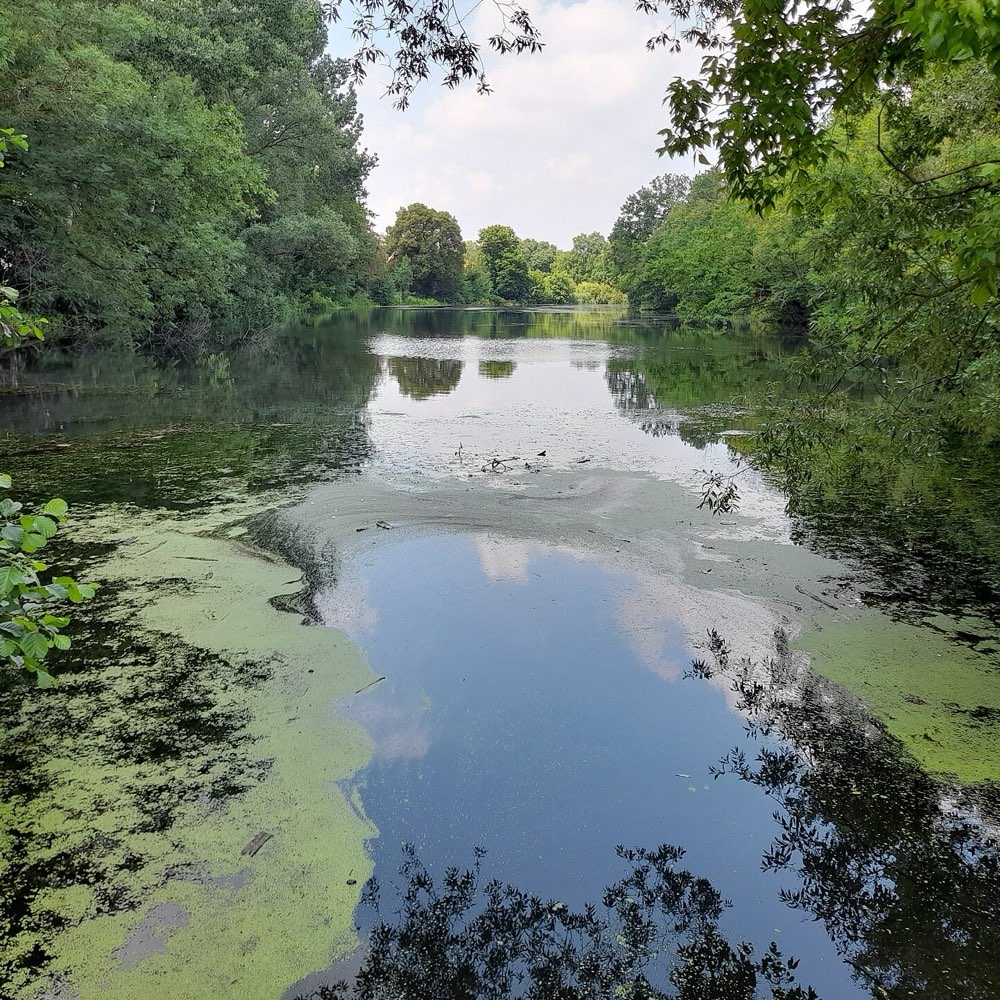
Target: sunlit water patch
(450, 406)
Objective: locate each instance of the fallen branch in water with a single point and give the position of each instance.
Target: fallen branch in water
(816, 597)
(257, 843)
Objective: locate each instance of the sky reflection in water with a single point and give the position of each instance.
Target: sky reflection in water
(516, 715)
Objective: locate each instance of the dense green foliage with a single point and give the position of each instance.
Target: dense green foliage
(17, 329)
(641, 213)
(431, 244)
(540, 255)
(887, 249)
(190, 164)
(28, 592)
(505, 263)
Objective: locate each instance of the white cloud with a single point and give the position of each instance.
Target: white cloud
(564, 138)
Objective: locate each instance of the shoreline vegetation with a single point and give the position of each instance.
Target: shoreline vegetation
(180, 203)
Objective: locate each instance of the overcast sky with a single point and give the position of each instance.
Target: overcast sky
(566, 136)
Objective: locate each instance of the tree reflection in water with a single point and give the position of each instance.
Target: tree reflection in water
(655, 936)
(905, 879)
(421, 378)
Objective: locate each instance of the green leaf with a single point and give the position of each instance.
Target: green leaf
(32, 543)
(34, 645)
(45, 526)
(44, 679)
(5, 481)
(12, 533)
(61, 641)
(56, 508)
(10, 577)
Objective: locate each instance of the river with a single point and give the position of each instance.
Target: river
(430, 584)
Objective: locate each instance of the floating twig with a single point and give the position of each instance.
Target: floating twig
(816, 597)
(257, 843)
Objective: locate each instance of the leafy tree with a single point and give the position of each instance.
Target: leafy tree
(115, 218)
(476, 285)
(587, 260)
(511, 280)
(640, 214)
(386, 282)
(560, 289)
(432, 243)
(599, 293)
(428, 33)
(169, 136)
(539, 255)
(303, 246)
(699, 262)
(505, 263)
(905, 284)
(821, 56)
(536, 286)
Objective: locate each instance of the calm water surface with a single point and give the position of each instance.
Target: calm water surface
(518, 713)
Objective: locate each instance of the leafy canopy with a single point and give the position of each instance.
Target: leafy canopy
(431, 241)
(191, 164)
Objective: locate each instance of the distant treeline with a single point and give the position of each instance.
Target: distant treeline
(430, 262)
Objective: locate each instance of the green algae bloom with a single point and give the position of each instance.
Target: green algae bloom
(157, 792)
(939, 697)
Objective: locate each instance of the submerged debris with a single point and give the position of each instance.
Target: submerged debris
(257, 843)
